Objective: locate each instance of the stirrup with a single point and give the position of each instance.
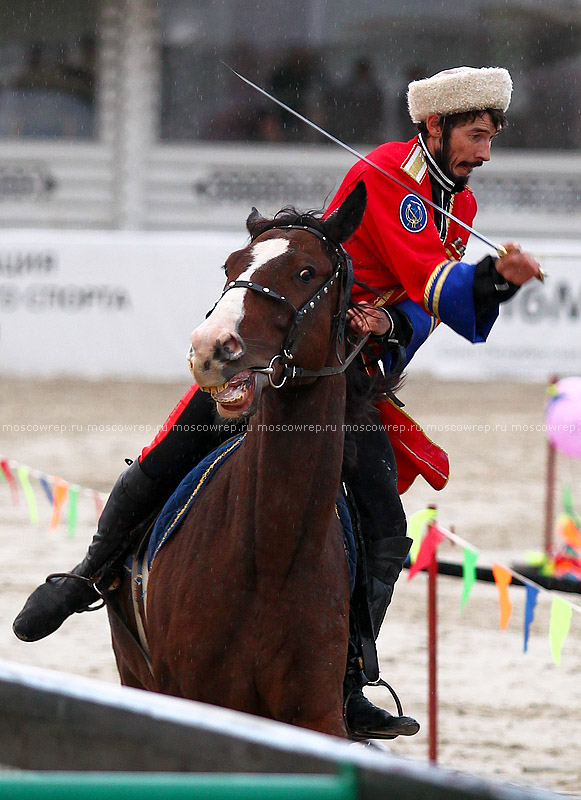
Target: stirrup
(378, 682)
(89, 607)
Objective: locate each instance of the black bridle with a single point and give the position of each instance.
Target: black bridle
(344, 275)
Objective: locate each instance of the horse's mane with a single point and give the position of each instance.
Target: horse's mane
(288, 215)
(363, 390)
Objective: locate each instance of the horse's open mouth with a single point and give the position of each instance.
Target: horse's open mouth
(236, 395)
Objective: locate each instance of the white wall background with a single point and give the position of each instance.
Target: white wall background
(98, 304)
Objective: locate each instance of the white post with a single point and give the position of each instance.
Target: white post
(137, 102)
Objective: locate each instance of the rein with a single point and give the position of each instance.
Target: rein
(343, 273)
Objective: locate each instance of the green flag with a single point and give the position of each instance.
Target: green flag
(469, 574)
(22, 473)
(73, 508)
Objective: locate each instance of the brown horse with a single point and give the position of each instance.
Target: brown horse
(248, 604)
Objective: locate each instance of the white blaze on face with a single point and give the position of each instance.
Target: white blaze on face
(229, 312)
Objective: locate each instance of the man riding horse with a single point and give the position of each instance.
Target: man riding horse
(408, 258)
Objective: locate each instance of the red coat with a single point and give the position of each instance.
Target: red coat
(400, 258)
(397, 250)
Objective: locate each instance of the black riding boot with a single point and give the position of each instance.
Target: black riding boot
(383, 525)
(132, 499)
(385, 559)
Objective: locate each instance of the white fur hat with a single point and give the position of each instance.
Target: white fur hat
(454, 91)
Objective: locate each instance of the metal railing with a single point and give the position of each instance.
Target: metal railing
(55, 722)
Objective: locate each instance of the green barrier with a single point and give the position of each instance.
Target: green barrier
(176, 786)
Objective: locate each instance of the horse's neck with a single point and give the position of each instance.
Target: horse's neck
(298, 438)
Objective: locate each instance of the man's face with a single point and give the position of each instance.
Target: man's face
(465, 146)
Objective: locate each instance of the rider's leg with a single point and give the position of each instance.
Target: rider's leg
(184, 439)
(383, 525)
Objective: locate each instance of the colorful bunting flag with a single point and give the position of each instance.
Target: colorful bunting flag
(98, 504)
(73, 508)
(468, 574)
(531, 602)
(427, 550)
(7, 472)
(503, 577)
(61, 490)
(416, 526)
(561, 613)
(46, 488)
(23, 477)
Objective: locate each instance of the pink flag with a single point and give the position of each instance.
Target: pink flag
(8, 474)
(427, 550)
(98, 504)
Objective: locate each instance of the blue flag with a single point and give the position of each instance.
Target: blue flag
(46, 488)
(532, 594)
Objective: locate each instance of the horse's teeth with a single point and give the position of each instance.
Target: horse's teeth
(216, 389)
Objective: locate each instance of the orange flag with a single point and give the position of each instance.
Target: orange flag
(503, 577)
(60, 493)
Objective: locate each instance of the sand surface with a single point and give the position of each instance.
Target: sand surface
(502, 713)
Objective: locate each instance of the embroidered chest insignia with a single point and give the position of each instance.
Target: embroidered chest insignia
(412, 214)
(415, 164)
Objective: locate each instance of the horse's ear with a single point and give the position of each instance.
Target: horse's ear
(253, 219)
(345, 220)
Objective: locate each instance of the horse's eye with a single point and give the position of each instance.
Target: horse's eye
(225, 268)
(307, 274)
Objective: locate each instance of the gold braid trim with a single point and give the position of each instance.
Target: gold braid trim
(431, 280)
(439, 286)
(391, 297)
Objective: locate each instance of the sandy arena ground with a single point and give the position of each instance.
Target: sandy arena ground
(503, 714)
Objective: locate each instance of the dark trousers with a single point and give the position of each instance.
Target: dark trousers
(374, 485)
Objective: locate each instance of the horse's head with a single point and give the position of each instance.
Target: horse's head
(284, 293)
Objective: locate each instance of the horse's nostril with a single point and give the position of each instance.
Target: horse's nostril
(228, 349)
(231, 345)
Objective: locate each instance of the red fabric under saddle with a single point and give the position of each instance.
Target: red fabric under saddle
(415, 454)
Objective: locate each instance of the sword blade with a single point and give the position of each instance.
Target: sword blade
(497, 247)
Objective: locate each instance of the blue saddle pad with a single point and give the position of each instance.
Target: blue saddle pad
(348, 538)
(175, 510)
